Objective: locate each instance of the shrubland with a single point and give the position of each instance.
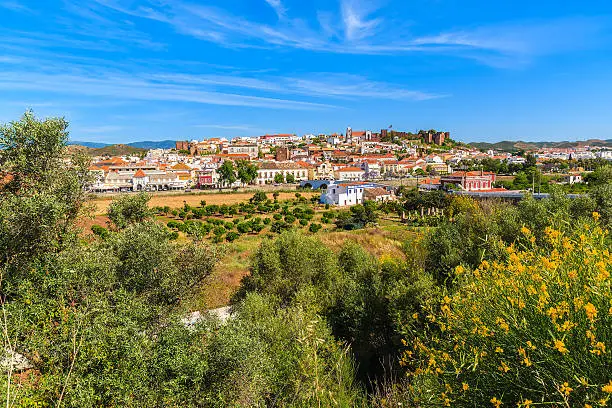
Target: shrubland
(493, 304)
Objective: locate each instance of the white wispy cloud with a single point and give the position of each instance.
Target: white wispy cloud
(322, 85)
(278, 7)
(357, 21)
(131, 88)
(15, 6)
(362, 31)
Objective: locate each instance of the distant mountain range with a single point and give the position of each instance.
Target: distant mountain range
(513, 146)
(163, 144)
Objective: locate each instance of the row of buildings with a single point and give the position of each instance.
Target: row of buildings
(353, 157)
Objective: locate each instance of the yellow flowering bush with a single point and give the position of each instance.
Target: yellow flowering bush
(533, 329)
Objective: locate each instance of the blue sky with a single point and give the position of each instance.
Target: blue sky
(129, 70)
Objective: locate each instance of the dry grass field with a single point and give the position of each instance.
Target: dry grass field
(177, 200)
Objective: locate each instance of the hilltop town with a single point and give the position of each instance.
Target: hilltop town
(354, 161)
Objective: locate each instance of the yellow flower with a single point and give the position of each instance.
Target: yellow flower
(591, 311)
(530, 345)
(572, 274)
(567, 326)
(465, 387)
(560, 347)
(503, 367)
(588, 406)
(496, 403)
(499, 350)
(596, 216)
(607, 388)
(590, 336)
(502, 323)
(525, 230)
(527, 403)
(599, 349)
(566, 389)
(459, 270)
(527, 362)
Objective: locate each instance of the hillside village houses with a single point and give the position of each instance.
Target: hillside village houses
(357, 156)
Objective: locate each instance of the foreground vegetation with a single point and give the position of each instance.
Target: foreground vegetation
(489, 304)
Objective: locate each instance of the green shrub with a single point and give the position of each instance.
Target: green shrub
(231, 236)
(100, 231)
(314, 228)
(243, 228)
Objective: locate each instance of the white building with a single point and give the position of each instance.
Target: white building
(604, 154)
(268, 170)
(348, 194)
(345, 194)
(350, 174)
(251, 149)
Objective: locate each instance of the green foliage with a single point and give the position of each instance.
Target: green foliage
(246, 171)
(258, 197)
(289, 264)
(130, 209)
(227, 173)
(100, 231)
(232, 236)
(314, 228)
(358, 217)
(279, 178)
(278, 356)
(43, 194)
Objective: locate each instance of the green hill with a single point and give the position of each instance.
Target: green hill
(111, 150)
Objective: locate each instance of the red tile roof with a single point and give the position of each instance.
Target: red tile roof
(350, 169)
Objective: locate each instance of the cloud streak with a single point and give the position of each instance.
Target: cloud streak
(363, 32)
(278, 7)
(129, 88)
(321, 85)
(357, 24)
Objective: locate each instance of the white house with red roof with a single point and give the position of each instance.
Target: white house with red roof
(348, 194)
(343, 194)
(350, 174)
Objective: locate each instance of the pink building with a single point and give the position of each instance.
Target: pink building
(470, 180)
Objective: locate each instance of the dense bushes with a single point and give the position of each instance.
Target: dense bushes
(358, 216)
(532, 329)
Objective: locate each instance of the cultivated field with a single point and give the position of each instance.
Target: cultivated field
(177, 200)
